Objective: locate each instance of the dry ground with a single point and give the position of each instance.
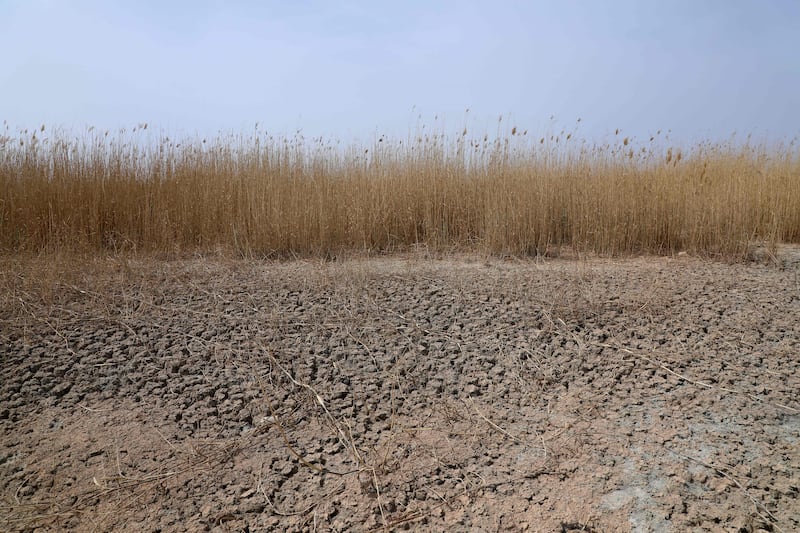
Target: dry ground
(647, 394)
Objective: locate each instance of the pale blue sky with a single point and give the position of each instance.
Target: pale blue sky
(351, 68)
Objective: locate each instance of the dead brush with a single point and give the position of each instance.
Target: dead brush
(268, 196)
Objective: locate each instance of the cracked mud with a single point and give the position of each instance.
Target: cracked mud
(401, 393)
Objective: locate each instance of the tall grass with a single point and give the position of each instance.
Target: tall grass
(263, 195)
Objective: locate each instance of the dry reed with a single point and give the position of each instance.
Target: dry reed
(260, 195)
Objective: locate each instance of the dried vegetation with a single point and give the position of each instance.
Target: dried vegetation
(261, 195)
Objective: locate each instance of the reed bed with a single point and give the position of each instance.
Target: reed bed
(511, 193)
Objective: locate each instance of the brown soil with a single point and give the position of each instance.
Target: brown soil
(650, 394)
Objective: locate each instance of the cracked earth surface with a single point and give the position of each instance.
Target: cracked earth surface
(401, 393)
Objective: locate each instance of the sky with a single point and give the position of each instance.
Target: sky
(352, 69)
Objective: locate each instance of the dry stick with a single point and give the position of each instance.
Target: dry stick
(282, 430)
(321, 402)
(92, 410)
(758, 505)
(359, 459)
(417, 515)
(495, 426)
(694, 381)
(378, 494)
(165, 439)
(316, 395)
(286, 442)
(363, 344)
(39, 517)
(51, 326)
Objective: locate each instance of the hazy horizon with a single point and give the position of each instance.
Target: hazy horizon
(356, 69)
